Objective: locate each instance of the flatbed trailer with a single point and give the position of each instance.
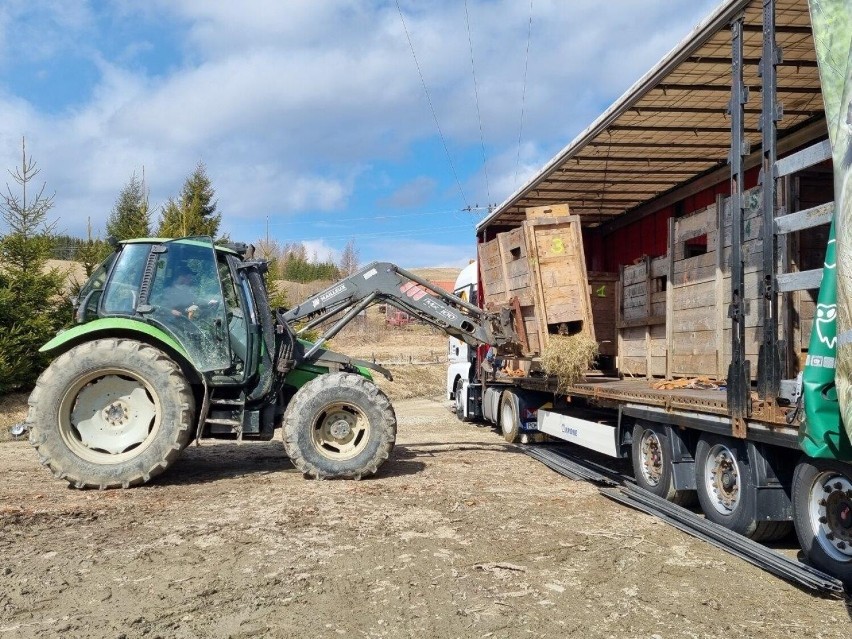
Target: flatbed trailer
(690, 231)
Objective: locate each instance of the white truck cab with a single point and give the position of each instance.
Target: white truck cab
(460, 355)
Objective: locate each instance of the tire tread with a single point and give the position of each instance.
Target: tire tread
(58, 461)
(292, 424)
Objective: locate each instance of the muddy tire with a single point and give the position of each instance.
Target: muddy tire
(111, 413)
(822, 511)
(339, 425)
(458, 404)
(508, 421)
(652, 464)
(726, 490)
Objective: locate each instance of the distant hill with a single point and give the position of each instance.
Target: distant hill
(437, 274)
(297, 291)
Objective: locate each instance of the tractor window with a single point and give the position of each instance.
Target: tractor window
(89, 297)
(237, 323)
(186, 299)
(122, 292)
(98, 278)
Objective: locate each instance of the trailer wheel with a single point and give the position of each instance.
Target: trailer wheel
(458, 403)
(339, 425)
(726, 489)
(110, 413)
(508, 417)
(822, 513)
(652, 464)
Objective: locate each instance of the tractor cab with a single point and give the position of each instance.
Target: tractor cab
(190, 289)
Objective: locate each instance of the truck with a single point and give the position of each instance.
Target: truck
(701, 240)
(175, 341)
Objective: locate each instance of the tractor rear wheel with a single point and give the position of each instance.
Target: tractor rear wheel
(339, 425)
(110, 413)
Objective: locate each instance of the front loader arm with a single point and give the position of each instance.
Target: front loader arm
(388, 283)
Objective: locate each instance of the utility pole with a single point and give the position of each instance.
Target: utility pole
(267, 231)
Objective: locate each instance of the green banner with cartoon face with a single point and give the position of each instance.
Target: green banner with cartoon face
(828, 409)
(822, 433)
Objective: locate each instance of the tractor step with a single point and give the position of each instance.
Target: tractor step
(225, 422)
(228, 402)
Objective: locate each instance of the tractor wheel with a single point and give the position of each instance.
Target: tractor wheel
(110, 413)
(339, 425)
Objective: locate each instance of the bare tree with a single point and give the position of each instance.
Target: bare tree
(349, 259)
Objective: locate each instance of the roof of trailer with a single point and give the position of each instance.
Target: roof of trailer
(672, 125)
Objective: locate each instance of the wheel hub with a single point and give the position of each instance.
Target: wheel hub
(722, 478)
(652, 458)
(340, 429)
(844, 515)
(831, 507)
(116, 414)
(112, 414)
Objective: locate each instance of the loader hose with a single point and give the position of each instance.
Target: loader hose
(268, 330)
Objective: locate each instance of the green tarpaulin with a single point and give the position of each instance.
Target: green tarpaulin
(828, 407)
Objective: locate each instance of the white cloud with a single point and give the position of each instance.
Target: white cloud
(410, 253)
(320, 251)
(288, 102)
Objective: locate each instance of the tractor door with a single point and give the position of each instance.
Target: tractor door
(186, 299)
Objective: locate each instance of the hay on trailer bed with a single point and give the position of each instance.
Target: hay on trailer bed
(568, 358)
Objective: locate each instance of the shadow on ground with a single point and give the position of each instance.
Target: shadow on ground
(230, 460)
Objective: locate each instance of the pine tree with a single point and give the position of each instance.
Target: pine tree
(194, 211)
(171, 221)
(130, 216)
(32, 307)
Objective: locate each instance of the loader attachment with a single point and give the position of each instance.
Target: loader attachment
(382, 282)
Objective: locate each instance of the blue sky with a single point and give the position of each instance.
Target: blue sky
(312, 112)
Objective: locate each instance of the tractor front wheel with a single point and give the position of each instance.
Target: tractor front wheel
(339, 425)
(110, 413)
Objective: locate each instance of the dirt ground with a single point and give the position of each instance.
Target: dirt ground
(460, 535)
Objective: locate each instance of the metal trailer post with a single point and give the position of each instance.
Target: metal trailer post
(769, 357)
(738, 372)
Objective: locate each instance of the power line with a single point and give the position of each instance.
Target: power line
(476, 94)
(524, 94)
(399, 233)
(378, 218)
(431, 106)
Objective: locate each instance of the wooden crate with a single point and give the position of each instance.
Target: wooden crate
(539, 268)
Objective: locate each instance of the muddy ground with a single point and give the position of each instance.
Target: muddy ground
(459, 536)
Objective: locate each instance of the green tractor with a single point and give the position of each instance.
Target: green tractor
(175, 341)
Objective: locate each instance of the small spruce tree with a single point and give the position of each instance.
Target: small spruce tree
(194, 211)
(32, 306)
(130, 216)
